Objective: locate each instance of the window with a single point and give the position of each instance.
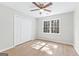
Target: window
(55, 26)
(46, 28)
(51, 26)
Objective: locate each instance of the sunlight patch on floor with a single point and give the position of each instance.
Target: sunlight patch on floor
(42, 46)
(55, 46)
(38, 45)
(47, 50)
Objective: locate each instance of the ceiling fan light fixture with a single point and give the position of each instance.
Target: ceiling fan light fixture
(41, 10)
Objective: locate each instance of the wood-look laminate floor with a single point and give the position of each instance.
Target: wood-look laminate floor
(42, 48)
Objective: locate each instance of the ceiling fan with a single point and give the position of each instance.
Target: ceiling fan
(42, 6)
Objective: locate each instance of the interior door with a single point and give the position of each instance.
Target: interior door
(22, 30)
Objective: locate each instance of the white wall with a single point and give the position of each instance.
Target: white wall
(15, 28)
(66, 28)
(76, 29)
(6, 28)
(24, 29)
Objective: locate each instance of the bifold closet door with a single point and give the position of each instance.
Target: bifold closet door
(26, 31)
(22, 30)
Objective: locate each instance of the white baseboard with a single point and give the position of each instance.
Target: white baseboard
(63, 42)
(6, 49)
(76, 50)
(60, 42)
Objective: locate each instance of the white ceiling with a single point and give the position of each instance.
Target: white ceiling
(57, 8)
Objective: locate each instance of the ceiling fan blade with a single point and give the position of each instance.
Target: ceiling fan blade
(36, 4)
(47, 10)
(41, 5)
(47, 5)
(34, 9)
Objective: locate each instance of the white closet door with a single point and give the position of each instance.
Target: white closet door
(17, 31)
(22, 30)
(26, 31)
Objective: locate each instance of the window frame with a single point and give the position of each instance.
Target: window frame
(51, 26)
